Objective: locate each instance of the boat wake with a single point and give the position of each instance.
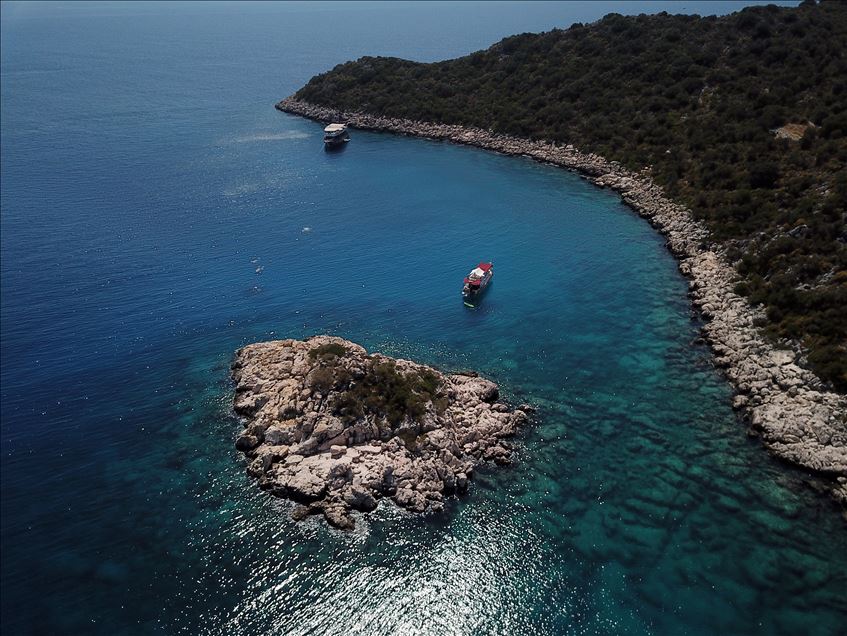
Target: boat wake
(280, 136)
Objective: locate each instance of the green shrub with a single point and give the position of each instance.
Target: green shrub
(386, 392)
(328, 350)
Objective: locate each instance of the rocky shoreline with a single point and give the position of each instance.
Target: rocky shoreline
(797, 419)
(336, 429)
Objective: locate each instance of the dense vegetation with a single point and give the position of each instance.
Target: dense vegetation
(699, 100)
(328, 351)
(379, 390)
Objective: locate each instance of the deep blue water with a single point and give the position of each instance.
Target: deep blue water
(154, 218)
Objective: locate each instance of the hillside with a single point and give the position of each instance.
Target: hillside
(742, 118)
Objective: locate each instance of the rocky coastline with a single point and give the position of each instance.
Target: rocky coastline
(786, 405)
(335, 429)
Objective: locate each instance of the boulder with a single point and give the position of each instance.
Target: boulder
(275, 435)
(246, 443)
(305, 486)
(359, 498)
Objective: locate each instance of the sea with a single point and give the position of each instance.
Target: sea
(158, 214)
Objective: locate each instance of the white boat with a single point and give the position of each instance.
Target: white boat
(336, 134)
(476, 283)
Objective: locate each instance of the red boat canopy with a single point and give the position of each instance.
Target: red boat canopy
(485, 266)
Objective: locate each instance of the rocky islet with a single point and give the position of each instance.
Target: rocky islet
(336, 429)
(797, 418)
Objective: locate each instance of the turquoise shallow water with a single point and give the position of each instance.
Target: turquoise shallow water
(145, 180)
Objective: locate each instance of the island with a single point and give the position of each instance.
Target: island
(335, 429)
(726, 134)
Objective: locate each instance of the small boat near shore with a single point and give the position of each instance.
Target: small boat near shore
(476, 282)
(335, 135)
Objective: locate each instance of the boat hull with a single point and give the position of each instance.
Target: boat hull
(335, 143)
(472, 297)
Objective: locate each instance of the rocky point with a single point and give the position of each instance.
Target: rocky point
(336, 429)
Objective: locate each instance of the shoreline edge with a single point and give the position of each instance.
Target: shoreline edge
(786, 405)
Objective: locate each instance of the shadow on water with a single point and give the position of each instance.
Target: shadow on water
(336, 148)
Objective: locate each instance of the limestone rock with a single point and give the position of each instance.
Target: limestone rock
(304, 485)
(246, 442)
(312, 436)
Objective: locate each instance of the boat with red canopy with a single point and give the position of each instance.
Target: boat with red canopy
(476, 282)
